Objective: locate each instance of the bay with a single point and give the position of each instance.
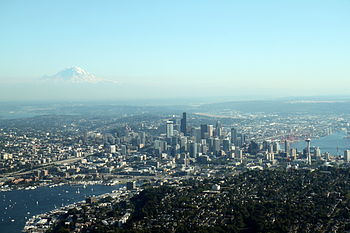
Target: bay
(335, 143)
(19, 205)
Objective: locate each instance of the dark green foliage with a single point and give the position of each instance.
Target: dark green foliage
(255, 201)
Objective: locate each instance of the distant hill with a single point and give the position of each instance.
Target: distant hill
(279, 106)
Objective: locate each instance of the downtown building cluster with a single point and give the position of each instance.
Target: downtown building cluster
(158, 147)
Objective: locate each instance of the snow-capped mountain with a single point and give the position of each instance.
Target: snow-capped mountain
(74, 75)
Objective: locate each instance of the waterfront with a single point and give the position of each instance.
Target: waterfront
(17, 206)
(335, 143)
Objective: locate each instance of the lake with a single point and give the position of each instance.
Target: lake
(19, 205)
(335, 143)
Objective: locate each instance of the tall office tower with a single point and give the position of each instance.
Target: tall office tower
(234, 136)
(270, 148)
(286, 148)
(216, 145)
(204, 132)
(210, 143)
(169, 129)
(183, 144)
(293, 153)
(175, 140)
(254, 147)
(193, 150)
(157, 146)
(318, 152)
(204, 148)
(173, 119)
(143, 138)
(308, 150)
(266, 145)
(226, 145)
(218, 129)
(239, 154)
(347, 156)
(210, 130)
(124, 150)
(240, 139)
(276, 147)
(196, 134)
(175, 123)
(113, 149)
(183, 126)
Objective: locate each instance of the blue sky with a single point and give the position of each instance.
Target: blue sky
(171, 48)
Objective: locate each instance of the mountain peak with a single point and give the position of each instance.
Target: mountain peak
(74, 74)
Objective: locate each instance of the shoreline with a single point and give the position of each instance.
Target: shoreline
(52, 184)
(19, 206)
(41, 220)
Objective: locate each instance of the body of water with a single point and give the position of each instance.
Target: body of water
(335, 143)
(17, 206)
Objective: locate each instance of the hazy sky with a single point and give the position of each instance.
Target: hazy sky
(176, 48)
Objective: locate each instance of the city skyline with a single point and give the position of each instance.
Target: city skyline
(174, 116)
(184, 49)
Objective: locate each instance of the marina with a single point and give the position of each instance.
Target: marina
(17, 206)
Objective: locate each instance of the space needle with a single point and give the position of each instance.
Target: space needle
(308, 150)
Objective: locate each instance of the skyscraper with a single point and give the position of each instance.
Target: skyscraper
(293, 153)
(204, 131)
(239, 154)
(234, 136)
(216, 145)
(113, 148)
(210, 143)
(169, 129)
(347, 156)
(218, 129)
(318, 152)
(210, 130)
(193, 150)
(286, 148)
(196, 134)
(183, 144)
(143, 138)
(276, 147)
(226, 145)
(308, 150)
(183, 126)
